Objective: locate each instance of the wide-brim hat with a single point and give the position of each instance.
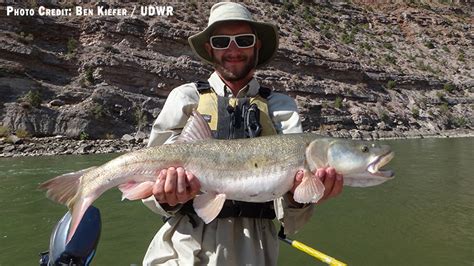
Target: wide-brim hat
(228, 11)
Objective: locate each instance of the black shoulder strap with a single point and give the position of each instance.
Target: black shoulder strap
(202, 85)
(264, 92)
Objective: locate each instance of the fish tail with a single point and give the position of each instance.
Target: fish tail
(64, 188)
(78, 209)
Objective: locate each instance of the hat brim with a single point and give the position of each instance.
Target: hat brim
(267, 33)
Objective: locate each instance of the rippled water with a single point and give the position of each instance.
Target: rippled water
(425, 216)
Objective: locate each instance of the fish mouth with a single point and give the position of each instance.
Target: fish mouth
(379, 162)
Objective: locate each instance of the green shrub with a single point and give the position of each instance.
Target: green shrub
(83, 136)
(193, 4)
(384, 116)
(391, 84)
(347, 38)
(425, 67)
(307, 45)
(446, 2)
(288, 6)
(32, 4)
(109, 136)
(338, 102)
(325, 31)
(444, 108)
(390, 59)
(89, 75)
(26, 38)
(440, 96)
(298, 34)
(366, 46)
(139, 117)
(111, 49)
(308, 16)
(388, 45)
(460, 121)
(82, 82)
(71, 46)
(4, 131)
(22, 133)
(98, 111)
(33, 97)
(415, 112)
(429, 45)
(448, 87)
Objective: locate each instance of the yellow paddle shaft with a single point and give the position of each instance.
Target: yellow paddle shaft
(317, 254)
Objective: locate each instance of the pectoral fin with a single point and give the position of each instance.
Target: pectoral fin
(316, 154)
(311, 189)
(135, 191)
(208, 205)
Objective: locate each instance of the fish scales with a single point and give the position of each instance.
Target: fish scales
(263, 162)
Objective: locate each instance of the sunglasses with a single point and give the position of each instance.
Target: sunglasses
(220, 42)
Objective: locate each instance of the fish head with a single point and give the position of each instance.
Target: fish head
(360, 162)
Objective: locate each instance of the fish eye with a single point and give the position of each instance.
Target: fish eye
(365, 148)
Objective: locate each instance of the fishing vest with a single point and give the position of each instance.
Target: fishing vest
(234, 118)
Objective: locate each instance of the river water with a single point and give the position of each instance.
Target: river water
(425, 216)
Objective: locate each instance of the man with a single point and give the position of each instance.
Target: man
(235, 106)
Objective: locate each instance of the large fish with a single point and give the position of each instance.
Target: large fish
(254, 170)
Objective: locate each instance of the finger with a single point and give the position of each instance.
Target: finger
(321, 174)
(181, 185)
(194, 185)
(331, 171)
(161, 177)
(159, 190)
(162, 174)
(170, 186)
(297, 181)
(299, 176)
(338, 185)
(328, 183)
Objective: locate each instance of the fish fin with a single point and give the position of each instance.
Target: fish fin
(311, 189)
(195, 129)
(208, 205)
(78, 209)
(136, 191)
(63, 188)
(316, 154)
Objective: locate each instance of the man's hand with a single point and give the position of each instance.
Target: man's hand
(175, 185)
(332, 181)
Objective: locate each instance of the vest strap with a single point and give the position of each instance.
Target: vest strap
(202, 85)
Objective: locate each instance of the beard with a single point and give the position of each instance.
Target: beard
(234, 74)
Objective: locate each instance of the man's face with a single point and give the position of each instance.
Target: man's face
(234, 63)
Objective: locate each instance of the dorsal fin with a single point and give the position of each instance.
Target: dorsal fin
(196, 129)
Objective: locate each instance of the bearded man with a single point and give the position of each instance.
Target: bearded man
(235, 106)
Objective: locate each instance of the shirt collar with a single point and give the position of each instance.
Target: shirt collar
(250, 90)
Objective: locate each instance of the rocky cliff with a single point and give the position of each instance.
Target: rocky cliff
(355, 68)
